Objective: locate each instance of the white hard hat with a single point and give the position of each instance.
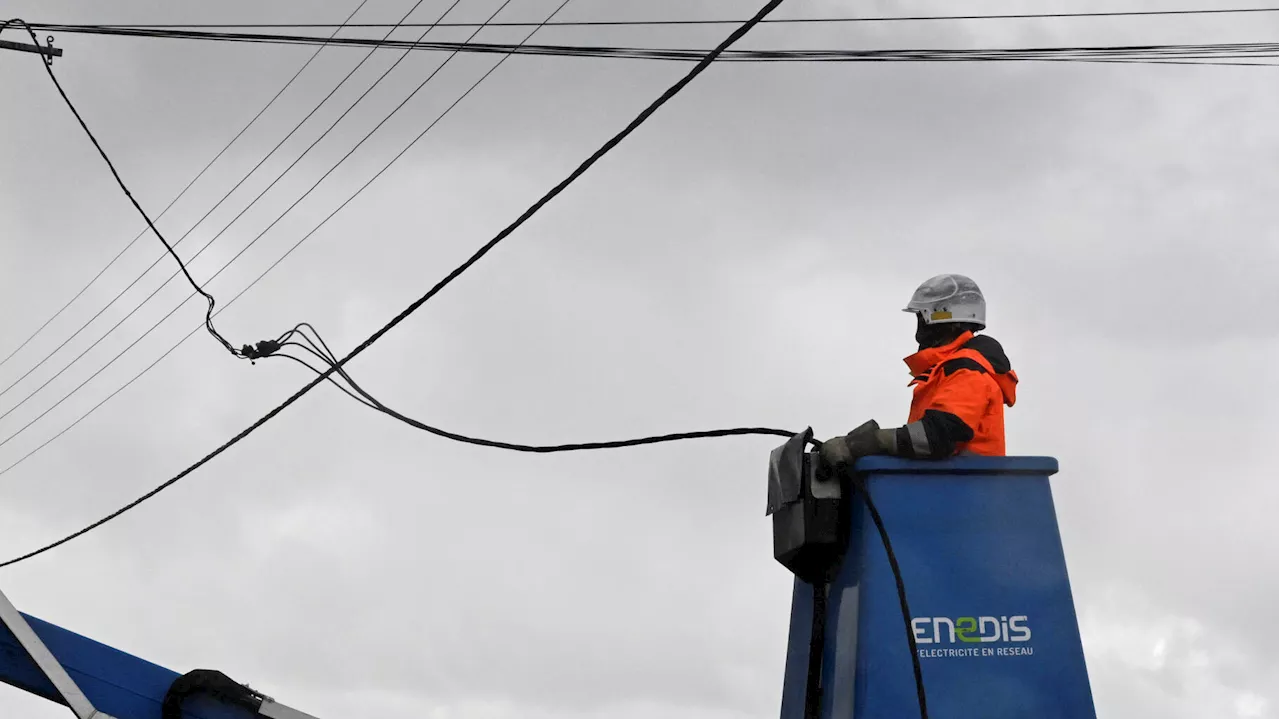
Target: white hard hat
(947, 299)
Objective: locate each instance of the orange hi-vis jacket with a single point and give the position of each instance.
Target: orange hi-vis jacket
(969, 380)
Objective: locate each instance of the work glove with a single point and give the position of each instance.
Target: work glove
(865, 440)
(839, 453)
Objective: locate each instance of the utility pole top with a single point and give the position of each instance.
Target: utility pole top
(48, 51)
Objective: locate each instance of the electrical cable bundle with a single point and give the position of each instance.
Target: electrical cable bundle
(1224, 53)
(179, 196)
(316, 349)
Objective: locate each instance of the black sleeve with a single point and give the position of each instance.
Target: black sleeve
(943, 432)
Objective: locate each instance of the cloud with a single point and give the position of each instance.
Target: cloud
(1144, 658)
(740, 260)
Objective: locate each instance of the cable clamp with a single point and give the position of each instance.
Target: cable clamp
(265, 348)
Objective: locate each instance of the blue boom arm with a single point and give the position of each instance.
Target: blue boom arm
(115, 684)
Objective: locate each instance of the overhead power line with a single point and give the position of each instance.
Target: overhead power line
(646, 23)
(48, 66)
(1153, 53)
(242, 292)
(159, 258)
(247, 352)
(435, 289)
(179, 196)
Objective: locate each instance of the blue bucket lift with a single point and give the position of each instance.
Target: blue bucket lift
(981, 561)
(991, 619)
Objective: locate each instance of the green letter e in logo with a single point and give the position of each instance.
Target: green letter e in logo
(964, 626)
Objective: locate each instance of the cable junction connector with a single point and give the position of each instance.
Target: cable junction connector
(265, 348)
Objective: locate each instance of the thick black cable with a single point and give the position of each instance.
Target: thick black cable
(318, 348)
(485, 249)
(321, 350)
(309, 366)
(768, 21)
(250, 286)
(817, 640)
(326, 355)
(860, 486)
(48, 66)
(183, 192)
(551, 448)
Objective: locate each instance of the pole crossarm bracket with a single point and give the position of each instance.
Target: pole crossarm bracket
(49, 51)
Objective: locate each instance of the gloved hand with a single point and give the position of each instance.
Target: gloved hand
(864, 441)
(840, 452)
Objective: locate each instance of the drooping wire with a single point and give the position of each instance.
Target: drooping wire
(191, 229)
(240, 294)
(319, 350)
(179, 196)
(208, 318)
(247, 351)
(485, 249)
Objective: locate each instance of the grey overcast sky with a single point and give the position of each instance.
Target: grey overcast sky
(741, 259)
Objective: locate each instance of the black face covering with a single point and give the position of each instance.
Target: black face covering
(938, 335)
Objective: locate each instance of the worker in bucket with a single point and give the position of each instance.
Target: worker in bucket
(961, 383)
